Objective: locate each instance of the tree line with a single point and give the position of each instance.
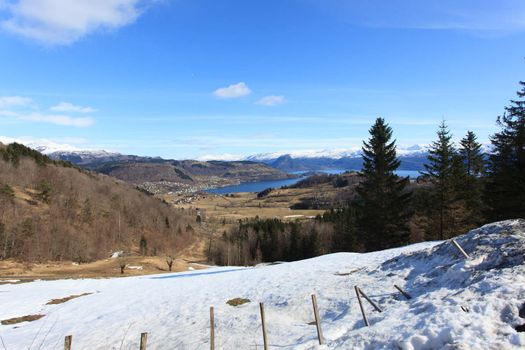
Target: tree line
(462, 187)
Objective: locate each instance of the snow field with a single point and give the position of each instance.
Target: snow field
(174, 308)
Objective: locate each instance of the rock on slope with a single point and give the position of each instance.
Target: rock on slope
(456, 304)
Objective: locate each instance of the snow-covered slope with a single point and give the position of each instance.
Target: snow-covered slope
(457, 303)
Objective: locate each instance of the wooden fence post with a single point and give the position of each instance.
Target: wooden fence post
(370, 300)
(265, 339)
(143, 340)
(361, 306)
(456, 244)
(212, 329)
(405, 294)
(68, 340)
(317, 320)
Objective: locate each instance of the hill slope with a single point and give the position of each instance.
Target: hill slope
(472, 304)
(159, 175)
(52, 211)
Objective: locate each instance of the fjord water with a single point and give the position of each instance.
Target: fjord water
(262, 185)
(254, 186)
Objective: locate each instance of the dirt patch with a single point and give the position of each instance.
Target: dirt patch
(63, 300)
(27, 318)
(237, 301)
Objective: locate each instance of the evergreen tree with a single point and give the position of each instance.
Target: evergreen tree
(382, 195)
(473, 164)
(471, 155)
(442, 171)
(505, 191)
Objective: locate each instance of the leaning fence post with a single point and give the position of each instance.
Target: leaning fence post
(143, 340)
(361, 306)
(212, 329)
(317, 320)
(456, 244)
(67, 342)
(369, 300)
(405, 294)
(265, 339)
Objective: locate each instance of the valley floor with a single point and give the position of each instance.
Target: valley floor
(456, 304)
(188, 259)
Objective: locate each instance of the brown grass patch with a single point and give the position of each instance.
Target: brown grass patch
(237, 301)
(27, 318)
(63, 300)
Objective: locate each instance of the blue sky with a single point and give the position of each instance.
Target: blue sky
(201, 78)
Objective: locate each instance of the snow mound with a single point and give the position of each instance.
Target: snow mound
(456, 303)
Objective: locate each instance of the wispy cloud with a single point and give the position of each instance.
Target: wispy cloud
(232, 91)
(59, 22)
(69, 107)
(57, 119)
(272, 100)
(14, 101)
(474, 16)
(18, 108)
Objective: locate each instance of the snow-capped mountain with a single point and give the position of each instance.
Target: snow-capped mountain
(44, 146)
(48, 147)
(412, 158)
(63, 151)
(331, 153)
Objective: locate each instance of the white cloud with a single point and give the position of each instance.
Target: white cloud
(233, 91)
(14, 101)
(271, 100)
(59, 22)
(57, 119)
(69, 107)
(49, 118)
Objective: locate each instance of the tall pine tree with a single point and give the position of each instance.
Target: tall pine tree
(471, 155)
(382, 195)
(442, 171)
(505, 190)
(470, 186)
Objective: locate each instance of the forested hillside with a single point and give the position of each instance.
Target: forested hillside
(50, 210)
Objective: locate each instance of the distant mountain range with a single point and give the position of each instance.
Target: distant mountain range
(412, 158)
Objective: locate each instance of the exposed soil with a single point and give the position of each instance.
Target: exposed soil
(63, 300)
(27, 318)
(237, 301)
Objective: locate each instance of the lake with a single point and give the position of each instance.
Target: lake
(262, 185)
